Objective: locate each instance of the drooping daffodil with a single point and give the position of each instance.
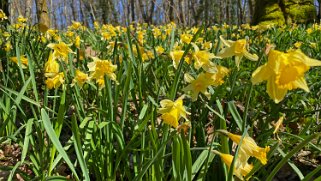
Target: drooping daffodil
(283, 72)
(241, 170)
(248, 148)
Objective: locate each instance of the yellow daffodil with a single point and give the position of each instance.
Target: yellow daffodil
(22, 19)
(248, 148)
(236, 48)
(218, 77)
(186, 38)
(51, 67)
(283, 72)
(2, 15)
(159, 50)
(297, 44)
(61, 50)
(55, 81)
(172, 111)
(75, 26)
(100, 68)
(202, 59)
(241, 170)
(77, 42)
(7, 46)
(23, 59)
(80, 78)
(200, 84)
(176, 56)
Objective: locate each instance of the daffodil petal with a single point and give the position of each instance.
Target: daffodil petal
(188, 78)
(261, 74)
(250, 56)
(301, 83)
(275, 93)
(226, 43)
(226, 52)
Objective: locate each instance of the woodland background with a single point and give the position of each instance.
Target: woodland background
(59, 14)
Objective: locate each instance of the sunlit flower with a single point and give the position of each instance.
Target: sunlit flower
(2, 15)
(7, 46)
(200, 84)
(55, 81)
(51, 67)
(159, 50)
(186, 38)
(176, 56)
(23, 59)
(77, 42)
(241, 170)
(22, 19)
(248, 148)
(80, 78)
(283, 72)
(236, 48)
(172, 111)
(218, 77)
(61, 50)
(100, 68)
(297, 44)
(75, 26)
(202, 59)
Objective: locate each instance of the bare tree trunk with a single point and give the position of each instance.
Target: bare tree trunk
(42, 13)
(4, 5)
(227, 11)
(151, 12)
(28, 9)
(240, 17)
(132, 6)
(171, 10)
(251, 9)
(114, 12)
(206, 11)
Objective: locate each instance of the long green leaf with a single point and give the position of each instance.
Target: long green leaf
(53, 137)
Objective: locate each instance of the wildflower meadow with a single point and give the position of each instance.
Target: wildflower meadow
(147, 102)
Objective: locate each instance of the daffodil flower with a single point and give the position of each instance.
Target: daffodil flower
(23, 60)
(51, 67)
(218, 77)
(176, 56)
(55, 81)
(241, 170)
(200, 84)
(80, 78)
(172, 111)
(236, 48)
(283, 72)
(100, 68)
(248, 148)
(2, 15)
(202, 59)
(61, 50)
